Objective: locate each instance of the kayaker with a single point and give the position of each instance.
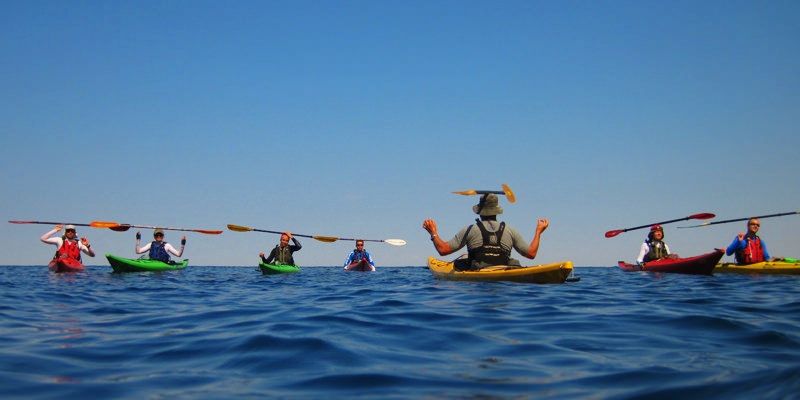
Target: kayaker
(488, 241)
(359, 259)
(68, 245)
(282, 253)
(158, 248)
(654, 247)
(749, 248)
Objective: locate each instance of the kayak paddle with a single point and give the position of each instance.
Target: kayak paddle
(506, 191)
(740, 219)
(124, 227)
(326, 239)
(616, 232)
(93, 224)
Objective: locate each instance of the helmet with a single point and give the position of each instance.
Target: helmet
(656, 227)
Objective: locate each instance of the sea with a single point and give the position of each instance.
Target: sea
(231, 332)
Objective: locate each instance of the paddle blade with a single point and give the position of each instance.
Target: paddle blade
(326, 239)
(239, 228)
(207, 232)
(702, 216)
(467, 192)
(396, 242)
(509, 193)
(120, 228)
(103, 224)
(613, 233)
(22, 222)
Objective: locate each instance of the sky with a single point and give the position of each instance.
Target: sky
(359, 118)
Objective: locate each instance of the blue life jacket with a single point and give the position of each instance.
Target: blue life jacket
(158, 252)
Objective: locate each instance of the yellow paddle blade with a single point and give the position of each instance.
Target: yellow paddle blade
(326, 239)
(239, 228)
(509, 194)
(103, 224)
(467, 192)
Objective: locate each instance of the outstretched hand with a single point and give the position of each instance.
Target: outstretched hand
(430, 226)
(85, 241)
(542, 224)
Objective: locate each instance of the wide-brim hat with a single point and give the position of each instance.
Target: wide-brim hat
(158, 231)
(488, 205)
(68, 227)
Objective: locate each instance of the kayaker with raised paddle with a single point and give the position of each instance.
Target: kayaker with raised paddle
(749, 248)
(68, 245)
(488, 241)
(654, 247)
(282, 252)
(359, 259)
(158, 248)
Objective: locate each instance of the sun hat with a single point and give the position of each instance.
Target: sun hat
(488, 205)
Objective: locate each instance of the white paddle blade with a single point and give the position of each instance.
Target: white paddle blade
(396, 242)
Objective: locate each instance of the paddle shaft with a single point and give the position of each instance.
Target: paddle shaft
(742, 219)
(47, 223)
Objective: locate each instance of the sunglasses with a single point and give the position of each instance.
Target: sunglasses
(755, 224)
(69, 230)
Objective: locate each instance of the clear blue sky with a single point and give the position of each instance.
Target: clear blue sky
(358, 118)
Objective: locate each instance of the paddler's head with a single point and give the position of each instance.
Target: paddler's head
(284, 240)
(656, 232)
(753, 224)
(158, 235)
(488, 206)
(360, 245)
(70, 232)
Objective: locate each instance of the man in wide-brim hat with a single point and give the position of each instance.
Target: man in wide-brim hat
(488, 241)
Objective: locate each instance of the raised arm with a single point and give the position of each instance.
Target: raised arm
(52, 240)
(541, 226)
(442, 247)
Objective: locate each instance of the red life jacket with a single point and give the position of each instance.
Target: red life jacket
(69, 249)
(753, 252)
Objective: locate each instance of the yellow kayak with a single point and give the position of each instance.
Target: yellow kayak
(545, 273)
(768, 267)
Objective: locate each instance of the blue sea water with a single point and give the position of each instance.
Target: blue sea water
(231, 332)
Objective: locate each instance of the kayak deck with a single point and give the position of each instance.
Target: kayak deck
(546, 273)
(767, 267)
(65, 265)
(697, 265)
(273, 269)
(121, 264)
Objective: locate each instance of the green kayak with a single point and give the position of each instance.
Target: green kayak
(272, 269)
(142, 265)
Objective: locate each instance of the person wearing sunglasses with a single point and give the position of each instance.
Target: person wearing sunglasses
(68, 245)
(749, 248)
(489, 242)
(359, 259)
(159, 249)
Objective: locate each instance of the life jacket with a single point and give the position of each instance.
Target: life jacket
(490, 252)
(359, 255)
(69, 249)
(283, 255)
(657, 250)
(158, 251)
(753, 251)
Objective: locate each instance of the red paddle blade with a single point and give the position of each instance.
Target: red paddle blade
(207, 232)
(613, 233)
(21, 222)
(120, 228)
(103, 224)
(702, 216)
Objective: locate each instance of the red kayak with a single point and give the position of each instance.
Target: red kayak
(362, 265)
(65, 265)
(698, 265)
